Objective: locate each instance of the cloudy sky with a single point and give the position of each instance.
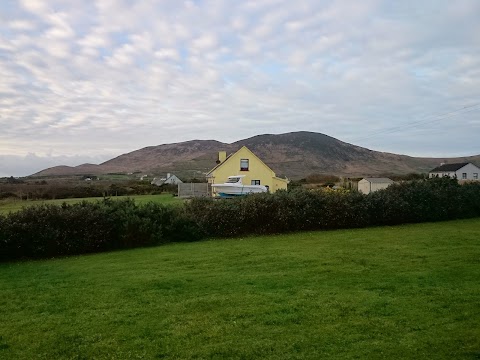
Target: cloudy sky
(83, 80)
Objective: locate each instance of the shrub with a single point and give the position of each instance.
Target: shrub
(49, 230)
(301, 209)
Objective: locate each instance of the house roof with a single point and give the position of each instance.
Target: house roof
(449, 167)
(163, 179)
(379, 180)
(229, 156)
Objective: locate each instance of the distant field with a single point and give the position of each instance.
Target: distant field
(409, 292)
(8, 206)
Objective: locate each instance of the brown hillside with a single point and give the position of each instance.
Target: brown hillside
(294, 155)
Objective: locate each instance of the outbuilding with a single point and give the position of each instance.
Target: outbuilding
(368, 185)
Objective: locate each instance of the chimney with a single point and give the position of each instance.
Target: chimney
(222, 155)
(168, 175)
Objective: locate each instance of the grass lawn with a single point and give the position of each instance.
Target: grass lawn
(9, 206)
(408, 292)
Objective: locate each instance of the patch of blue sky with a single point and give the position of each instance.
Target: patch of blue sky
(226, 58)
(142, 62)
(272, 68)
(182, 50)
(9, 9)
(182, 63)
(420, 73)
(410, 10)
(119, 38)
(84, 24)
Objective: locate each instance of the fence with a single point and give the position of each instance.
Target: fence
(194, 189)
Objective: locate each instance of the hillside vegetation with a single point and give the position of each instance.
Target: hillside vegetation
(408, 292)
(295, 155)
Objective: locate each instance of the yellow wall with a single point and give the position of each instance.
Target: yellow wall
(257, 170)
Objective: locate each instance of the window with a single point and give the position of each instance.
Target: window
(475, 176)
(255, 182)
(244, 165)
(464, 176)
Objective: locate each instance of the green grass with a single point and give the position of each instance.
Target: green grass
(12, 206)
(409, 292)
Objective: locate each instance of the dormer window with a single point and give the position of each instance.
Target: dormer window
(244, 165)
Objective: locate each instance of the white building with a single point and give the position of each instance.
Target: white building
(368, 185)
(170, 179)
(461, 171)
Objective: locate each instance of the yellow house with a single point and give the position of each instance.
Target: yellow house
(245, 162)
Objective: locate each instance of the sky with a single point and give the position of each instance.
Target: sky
(85, 81)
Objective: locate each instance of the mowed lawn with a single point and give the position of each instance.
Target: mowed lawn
(408, 292)
(9, 206)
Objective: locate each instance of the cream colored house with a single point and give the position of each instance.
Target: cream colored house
(245, 162)
(368, 185)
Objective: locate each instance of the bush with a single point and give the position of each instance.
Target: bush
(7, 195)
(49, 230)
(300, 209)
(87, 227)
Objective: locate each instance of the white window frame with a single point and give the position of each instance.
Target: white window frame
(242, 163)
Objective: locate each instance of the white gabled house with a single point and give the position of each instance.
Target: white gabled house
(170, 179)
(461, 171)
(368, 185)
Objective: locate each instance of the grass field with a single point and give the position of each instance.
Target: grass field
(409, 292)
(9, 206)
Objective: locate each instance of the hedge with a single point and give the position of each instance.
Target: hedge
(87, 227)
(49, 230)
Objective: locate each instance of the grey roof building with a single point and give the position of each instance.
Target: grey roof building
(449, 167)
(461, 171)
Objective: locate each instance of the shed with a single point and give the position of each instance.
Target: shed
(368, 185)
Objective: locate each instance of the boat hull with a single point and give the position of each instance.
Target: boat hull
(237, 190)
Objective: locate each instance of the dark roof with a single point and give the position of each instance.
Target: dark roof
(449, 167)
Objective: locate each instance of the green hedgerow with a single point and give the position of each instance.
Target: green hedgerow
(86, 227)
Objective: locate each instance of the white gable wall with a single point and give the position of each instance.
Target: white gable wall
(471, 172)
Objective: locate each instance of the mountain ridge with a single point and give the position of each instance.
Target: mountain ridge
(294, 154)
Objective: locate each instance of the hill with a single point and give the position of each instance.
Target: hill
(294, 155)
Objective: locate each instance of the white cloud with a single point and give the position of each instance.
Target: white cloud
(204, 42)
(21, 25)
(38, 7)
(78, 77)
